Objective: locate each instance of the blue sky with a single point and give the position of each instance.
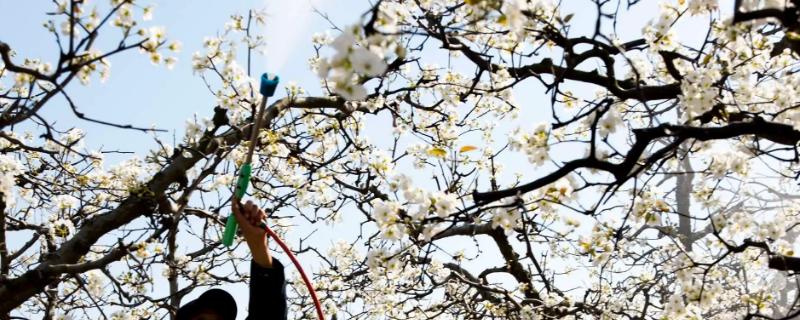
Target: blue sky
(142, 94)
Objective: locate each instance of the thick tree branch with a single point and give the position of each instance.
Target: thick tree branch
(623, 89)
(776, 132)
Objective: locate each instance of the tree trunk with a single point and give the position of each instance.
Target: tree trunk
(683, 198)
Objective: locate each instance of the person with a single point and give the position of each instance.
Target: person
(267, 279)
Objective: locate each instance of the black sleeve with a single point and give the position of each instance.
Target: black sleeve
(267, 292)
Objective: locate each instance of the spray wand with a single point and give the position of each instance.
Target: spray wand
(267, 89)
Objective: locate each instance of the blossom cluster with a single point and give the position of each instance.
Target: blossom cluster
(389, 215)
(9, 169)
(533, 144)
(356, 55)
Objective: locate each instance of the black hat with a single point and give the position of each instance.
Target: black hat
(217, 300)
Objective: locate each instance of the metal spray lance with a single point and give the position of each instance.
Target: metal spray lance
(267, 89)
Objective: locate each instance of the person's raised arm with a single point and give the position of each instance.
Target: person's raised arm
(267, 282)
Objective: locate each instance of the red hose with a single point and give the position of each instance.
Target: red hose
(288, 252)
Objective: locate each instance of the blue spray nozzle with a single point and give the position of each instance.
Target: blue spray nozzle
(268, 84)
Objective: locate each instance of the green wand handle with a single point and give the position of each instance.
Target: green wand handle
(241, 187)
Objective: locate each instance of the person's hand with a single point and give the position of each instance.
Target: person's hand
(249, 217)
